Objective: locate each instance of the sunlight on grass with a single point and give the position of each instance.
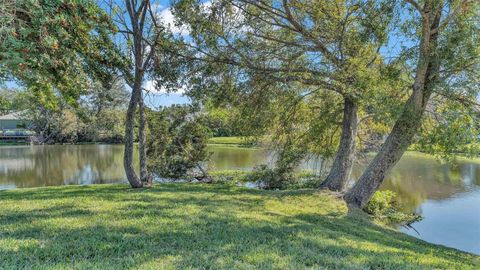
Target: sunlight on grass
(178, 226)
(227, 140)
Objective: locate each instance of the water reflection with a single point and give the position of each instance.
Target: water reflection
(446, 195)
(418, 178)
(53, 165)
(453, 222)
(237, 158)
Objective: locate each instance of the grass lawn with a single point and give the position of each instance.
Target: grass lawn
(199, 226)
(226, 140)
(12, 143)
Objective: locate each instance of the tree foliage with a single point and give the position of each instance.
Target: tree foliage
(177, 142)
(288, 66)
(85, 122)
(59, 45)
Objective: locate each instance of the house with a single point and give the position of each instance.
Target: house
(14, 127)
(13, 120)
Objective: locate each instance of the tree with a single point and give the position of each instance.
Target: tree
(99, 98)
(147, 43)
(66, 123)
(5, 101)
(135, 27)
(52, 45)
(320, 45)
(442, 67)
(450, 127)
(7, 17)
(140, 32)
(58, 50)
(177, 142)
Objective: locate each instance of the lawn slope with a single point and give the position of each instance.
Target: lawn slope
(197, 226)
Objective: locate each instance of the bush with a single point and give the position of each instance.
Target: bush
(228, 176)
(177, 142)
(384, 207)
(268, 178)
(265, 177)
(305, 179)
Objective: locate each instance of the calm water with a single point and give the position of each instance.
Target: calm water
(447, 196)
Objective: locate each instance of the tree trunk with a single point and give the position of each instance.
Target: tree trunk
(144, 176)
(392, 150)
(343, 163)
(132, 177)
(410, 120)
(142, 52)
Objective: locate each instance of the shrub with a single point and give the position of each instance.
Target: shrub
(267, 178)
(305, 179)
(228, 176)
(177, 142)
(384, 207)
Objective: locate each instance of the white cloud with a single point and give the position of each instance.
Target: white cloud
(157, 7)
(168, 19)
(151, 87)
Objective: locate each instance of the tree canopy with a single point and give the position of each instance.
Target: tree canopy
(327, 78)
(56, 45)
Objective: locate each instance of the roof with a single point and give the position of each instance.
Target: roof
(13, 116)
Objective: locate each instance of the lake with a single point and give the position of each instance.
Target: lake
(447, 196)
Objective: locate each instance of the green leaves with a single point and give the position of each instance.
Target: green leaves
(59, 44)
(384, 207)
(450, 128)
(177, 141)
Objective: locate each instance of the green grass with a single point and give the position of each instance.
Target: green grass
(12, 143)
(200, 226)
(227, 140)
(457, 157)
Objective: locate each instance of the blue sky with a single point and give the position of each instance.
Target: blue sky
(157, 100)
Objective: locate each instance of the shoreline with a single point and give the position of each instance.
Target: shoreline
(234, 144)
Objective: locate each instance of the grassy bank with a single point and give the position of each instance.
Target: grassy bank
(227, 140)
(185, 226)
(2, 143)
(236, 141)
(456, 158)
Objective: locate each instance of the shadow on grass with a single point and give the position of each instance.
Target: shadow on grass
(198, 226)
(113, 191)
(26, 216)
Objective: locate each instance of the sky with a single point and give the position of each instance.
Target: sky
(156, 100)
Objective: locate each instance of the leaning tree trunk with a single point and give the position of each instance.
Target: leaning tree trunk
(410, 120)
(132, 177)
(390, 153)
(343, 163)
